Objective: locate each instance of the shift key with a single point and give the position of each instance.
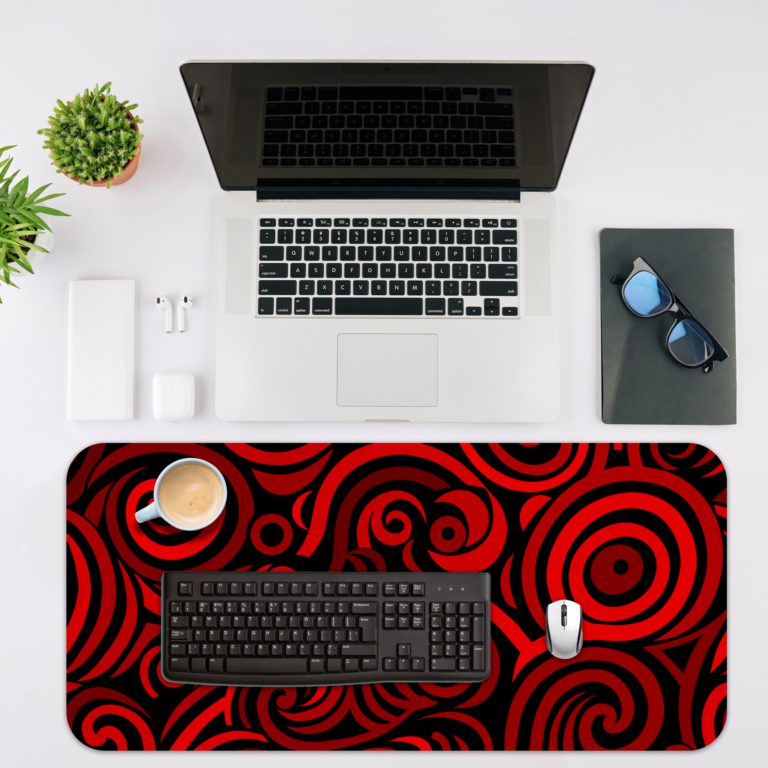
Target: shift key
(277, 287)
(497, 287)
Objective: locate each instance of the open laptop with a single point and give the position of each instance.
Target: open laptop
(385, 248)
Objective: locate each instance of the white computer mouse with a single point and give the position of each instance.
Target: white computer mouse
(564, 632)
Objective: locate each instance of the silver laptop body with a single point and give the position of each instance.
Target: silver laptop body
(369, 305)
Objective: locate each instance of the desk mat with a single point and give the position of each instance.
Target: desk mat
(633, 532)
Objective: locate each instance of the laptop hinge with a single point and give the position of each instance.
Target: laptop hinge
(387, 189)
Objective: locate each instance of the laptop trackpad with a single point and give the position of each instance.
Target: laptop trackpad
(387, 369)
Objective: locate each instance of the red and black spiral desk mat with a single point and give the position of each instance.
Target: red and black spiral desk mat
(633, 532)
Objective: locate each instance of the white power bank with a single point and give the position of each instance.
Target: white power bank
(101, 350)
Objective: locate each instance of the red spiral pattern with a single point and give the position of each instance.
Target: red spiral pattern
(635, 533)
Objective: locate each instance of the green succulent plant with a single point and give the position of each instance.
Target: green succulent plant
(21, 220)
(93, 137)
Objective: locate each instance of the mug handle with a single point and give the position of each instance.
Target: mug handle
(148, 513)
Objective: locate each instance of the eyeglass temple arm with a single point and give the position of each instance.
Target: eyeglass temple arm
(618, 279)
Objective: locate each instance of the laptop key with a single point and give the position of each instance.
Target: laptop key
(498, 288)
(271, 253)
(379, 306)
(435, 306)
(415, 287)
(322, 306)
(278, 287)
(284, 306)
(266, 306)
(301, 306)
(273, 270)
(502, 271)
(504, 237)
(455, 307)
(509, 254)
(491, 307)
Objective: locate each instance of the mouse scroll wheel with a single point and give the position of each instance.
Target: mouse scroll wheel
(564, 615)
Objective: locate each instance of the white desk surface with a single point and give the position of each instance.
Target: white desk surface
(673, 135)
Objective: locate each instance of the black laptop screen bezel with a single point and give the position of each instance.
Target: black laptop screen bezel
(549, 98)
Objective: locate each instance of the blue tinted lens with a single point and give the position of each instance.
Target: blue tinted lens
(689, 343)
(646, 295)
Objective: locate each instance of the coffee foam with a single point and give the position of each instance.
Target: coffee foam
(190, 494)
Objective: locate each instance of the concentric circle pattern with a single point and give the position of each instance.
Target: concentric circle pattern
(635, 533)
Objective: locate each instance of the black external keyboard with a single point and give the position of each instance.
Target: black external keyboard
(429, 267)
(279, 629)
(469, 126)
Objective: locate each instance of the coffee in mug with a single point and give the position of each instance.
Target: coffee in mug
(189, 494)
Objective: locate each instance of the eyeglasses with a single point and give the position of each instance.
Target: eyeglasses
(646, 295)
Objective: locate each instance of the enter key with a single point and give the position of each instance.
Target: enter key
(367, 625)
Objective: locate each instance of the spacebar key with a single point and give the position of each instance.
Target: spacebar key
(379, 306)
(282, 666)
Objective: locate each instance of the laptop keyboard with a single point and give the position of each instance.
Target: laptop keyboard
(429, 267)
(389, 126)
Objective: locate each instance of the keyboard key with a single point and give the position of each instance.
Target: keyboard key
(504, 237)
(284, 306)
(509, 311)
(273, 270)
(502, 271)
(271, 253)
(257, 666)
(435, 307)
(509, 254)
(498, 288)
(379, 306)
(491, 307)
(322, 306)
(266, 306)
(455, 307)
(279, 287)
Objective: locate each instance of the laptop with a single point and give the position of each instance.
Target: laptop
(385, 247)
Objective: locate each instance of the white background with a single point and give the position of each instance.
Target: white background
(673, 135)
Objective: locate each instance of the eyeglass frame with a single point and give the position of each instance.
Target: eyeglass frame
(677, 308)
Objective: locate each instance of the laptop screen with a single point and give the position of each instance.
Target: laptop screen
(453, 125)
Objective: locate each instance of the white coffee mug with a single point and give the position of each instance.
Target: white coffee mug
(155, 510)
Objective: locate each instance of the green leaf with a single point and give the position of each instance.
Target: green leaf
(34, 195)
(24, 262)
(49, 211)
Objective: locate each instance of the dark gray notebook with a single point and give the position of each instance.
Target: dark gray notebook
(642, 383)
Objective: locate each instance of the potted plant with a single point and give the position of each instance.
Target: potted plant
(94, 139)
(23, 230)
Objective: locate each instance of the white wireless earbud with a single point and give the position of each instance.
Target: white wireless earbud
(181, 312)
(165, 305)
